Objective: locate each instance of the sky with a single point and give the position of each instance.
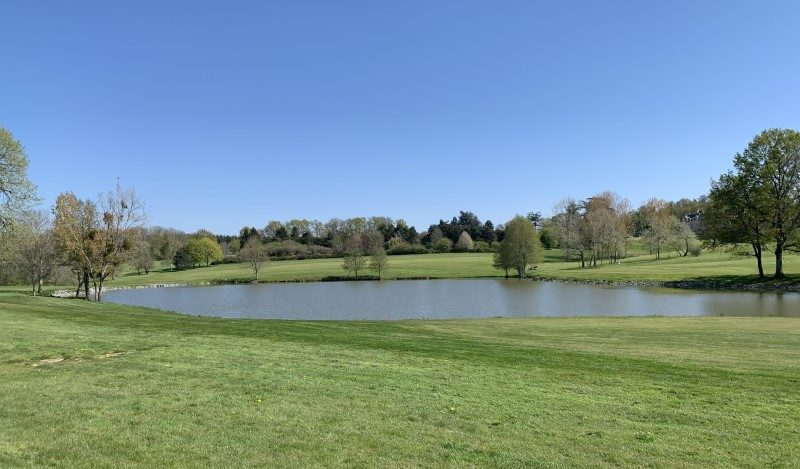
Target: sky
(226, 114)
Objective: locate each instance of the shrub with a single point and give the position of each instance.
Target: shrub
(482, 246)
(443, 245)
(403, 248)
(292, 250)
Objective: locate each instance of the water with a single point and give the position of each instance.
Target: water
(410, 299)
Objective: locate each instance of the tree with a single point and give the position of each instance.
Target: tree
(352, 249)
(659, 219)
(183, 259)
(98, 237)
(378, 261)
(502, 258)
(464, 242)
(520, 247)
(74, 225)
(683, 239)
(142, 256)
(17, 193)
(204, 249)
(35, 254)
(733, 215)
(568, 224)
(771, 162)
(165, 242)
(255, 254)
(546, 238)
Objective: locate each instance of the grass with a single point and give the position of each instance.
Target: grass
(139, 387)
(710, 266)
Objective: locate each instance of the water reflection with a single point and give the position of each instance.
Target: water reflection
(409, 299)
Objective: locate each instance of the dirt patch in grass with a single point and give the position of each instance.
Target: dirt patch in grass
(47, 361)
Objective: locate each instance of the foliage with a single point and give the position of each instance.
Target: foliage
(546, 238)
(464, 243)
(404, 248)
(97, 237)
(204, 249)
(183, 259)
(17, 193)
(378, 261)
(482, 246)
(520, 247)
(443, 245)
(142, 257)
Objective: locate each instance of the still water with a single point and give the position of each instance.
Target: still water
(410, 299)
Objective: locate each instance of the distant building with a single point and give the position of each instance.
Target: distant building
(694, 220)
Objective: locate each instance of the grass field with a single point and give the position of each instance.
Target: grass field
(717, 266)
(86, 384)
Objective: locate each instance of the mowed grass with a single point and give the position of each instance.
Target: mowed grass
(139, 387)
(717, 266)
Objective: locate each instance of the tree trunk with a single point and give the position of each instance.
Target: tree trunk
(86, 285)
(757, 251)
(779, 261)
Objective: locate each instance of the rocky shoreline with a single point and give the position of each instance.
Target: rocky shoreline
(766, 286)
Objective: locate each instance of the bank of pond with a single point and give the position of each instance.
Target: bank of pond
(456, 298)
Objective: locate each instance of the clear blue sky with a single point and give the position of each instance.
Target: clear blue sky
(233, 113)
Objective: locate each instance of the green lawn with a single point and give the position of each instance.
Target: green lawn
(719, 266)
(140, 387)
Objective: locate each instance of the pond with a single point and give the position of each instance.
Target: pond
(439, 299)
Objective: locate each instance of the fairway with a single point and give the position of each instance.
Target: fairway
(88, 384)
(711, 266)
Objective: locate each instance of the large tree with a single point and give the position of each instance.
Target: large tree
(98, 237)
(17, 193)
(520, 247)
(204, 249)
(733, 215)
(772, 163)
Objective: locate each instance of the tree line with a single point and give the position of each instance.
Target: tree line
(757, 204)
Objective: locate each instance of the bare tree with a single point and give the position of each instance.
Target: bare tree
(35, 256)
(660, 226)
(255, 254)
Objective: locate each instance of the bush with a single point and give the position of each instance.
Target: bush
(292, 250)
(695, 250)
(482, 246)
(402, 248)
(443, 245)
(546, 238)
